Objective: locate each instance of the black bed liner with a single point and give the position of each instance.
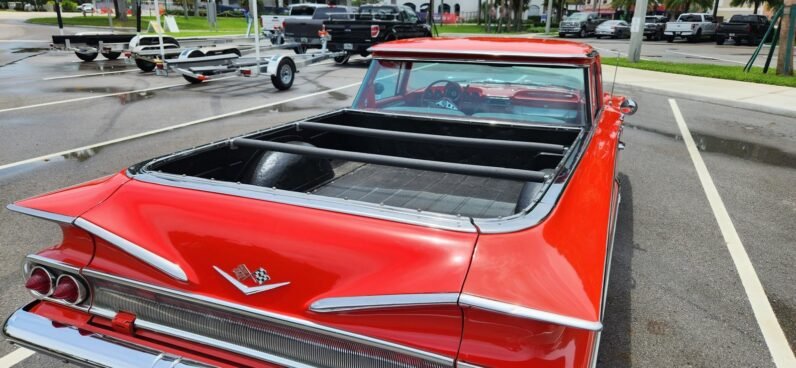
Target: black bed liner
(467, 168)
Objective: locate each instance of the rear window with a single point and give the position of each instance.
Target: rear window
(302, 11)
(378, 10)
(690, 18)
(744, 18)
(323, 13)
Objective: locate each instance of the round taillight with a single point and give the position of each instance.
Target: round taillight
(69, 289)
(40, 281)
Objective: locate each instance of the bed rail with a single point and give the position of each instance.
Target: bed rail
(431, 138)
(412, 163)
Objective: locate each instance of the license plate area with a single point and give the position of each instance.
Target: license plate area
(304, 40)
(348, 46)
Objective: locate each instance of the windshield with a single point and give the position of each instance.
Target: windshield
(517, 93)
(578, 16)
(690, 18)
(302, 10)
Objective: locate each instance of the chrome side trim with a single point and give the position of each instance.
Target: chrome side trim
(35, 258)
(134, 250)
(529, 313)
(93, 350)
(270, 316)
(41, 214)
(341, 304)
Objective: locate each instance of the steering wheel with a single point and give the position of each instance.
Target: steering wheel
(452, 93)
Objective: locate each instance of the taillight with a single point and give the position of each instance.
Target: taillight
(40, 281)
(374, 31)
(283, 24)
(69, 289)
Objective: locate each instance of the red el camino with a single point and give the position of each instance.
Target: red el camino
(459, 214)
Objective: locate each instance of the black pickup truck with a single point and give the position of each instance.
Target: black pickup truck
(371, 25)
(305, 31)
(750, 28)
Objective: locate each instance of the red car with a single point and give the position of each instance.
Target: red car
(459, 214)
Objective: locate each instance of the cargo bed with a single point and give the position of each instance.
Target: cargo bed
(460, 168)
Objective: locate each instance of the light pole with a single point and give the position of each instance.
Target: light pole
(637, 31)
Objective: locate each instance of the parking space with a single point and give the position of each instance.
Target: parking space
(675, 299)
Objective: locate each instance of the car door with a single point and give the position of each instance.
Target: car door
(709, 25)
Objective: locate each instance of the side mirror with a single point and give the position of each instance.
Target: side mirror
(378, 88)
(628, 106)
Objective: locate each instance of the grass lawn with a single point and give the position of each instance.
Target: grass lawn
(193, 26)
(707, 70)
(475, 28)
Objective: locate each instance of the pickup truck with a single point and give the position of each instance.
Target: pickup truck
(692, 27)
(273, 26)
(654, 25)
(305, 31)
(460, 213)
(750, 28)
(371, 25)
(580, 24)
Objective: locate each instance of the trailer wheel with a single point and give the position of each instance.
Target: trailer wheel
(343, 59)
(111, 55)
(86, 57)
(285, 74)
(301, 49)
(192, 54)
(144, 65)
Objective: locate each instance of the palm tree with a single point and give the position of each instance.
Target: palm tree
(686, 5)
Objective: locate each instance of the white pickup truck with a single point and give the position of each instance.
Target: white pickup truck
(273, 25)
(692, 27)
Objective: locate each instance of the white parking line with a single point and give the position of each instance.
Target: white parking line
(15, 357)
(101, 96)
(20, 41)
(92, 74)
(706, 57)
(169, 128)
(772, 332)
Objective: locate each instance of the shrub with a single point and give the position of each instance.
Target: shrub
(68, 6)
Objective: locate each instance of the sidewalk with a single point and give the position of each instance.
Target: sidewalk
(753, 96)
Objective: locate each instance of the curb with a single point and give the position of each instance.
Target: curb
(713, 100)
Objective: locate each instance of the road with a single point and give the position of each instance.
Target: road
(675, 298)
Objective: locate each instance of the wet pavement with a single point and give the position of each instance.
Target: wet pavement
(675, 299)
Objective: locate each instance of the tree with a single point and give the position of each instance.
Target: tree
(120, 7)
(684, 6)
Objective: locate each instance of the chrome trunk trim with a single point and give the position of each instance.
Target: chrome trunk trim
(38, 333)
(257, 314)
(41, 214)
(134, 250)
(529, 313)
(341, 304)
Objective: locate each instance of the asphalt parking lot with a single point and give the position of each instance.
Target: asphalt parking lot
(675, 298)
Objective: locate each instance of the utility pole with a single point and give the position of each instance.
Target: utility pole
(715, 8)
(549, 16)
(637, 31)
(786, 35)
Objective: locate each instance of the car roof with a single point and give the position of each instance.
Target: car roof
(483, 48)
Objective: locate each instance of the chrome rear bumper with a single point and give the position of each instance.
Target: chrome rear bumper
(93, 350)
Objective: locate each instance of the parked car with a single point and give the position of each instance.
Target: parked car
(460, 213)
(86, 8)
(273, 25)
(613, 29)
(371, 25)
(654, 25)
(305, 31)
(692, 27)
(579, 24)
(750, 28)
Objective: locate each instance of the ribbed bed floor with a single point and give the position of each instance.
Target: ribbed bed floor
(426, 190)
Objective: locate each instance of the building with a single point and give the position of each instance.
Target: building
(467, 10)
